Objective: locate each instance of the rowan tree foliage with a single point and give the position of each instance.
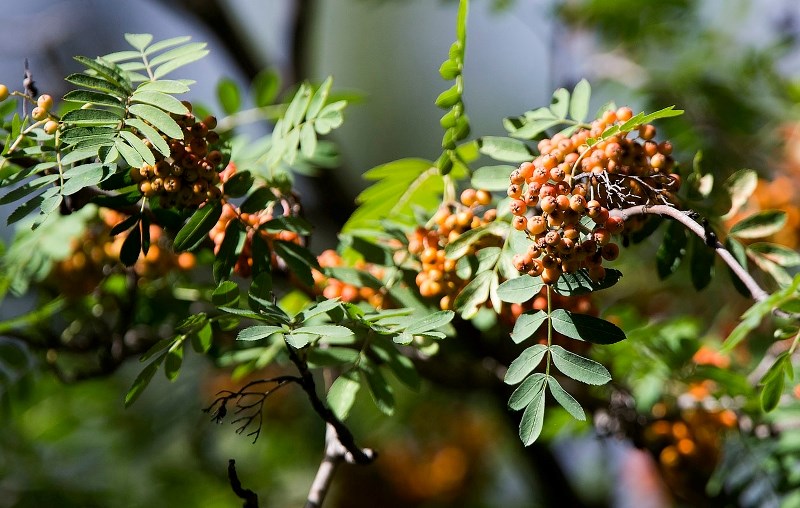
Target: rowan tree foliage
(150, 229)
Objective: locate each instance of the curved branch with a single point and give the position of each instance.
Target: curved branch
(344, 436)
(335, 453)
(757, 293)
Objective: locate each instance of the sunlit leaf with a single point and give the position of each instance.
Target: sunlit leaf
(579, 368)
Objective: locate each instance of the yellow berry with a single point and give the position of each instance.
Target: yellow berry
(3, 93)
(39, 114)
(45, 102)
(51, 127)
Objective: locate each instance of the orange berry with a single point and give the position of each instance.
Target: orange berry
(610, 251)
(647, 131)
(563, 202)
(428, 255)
(468, 197)
(519, 222)
(551, 275)
(577, 203)
(514, 191)
(526, 170)
(484, 197)
(624, 114)
(186, 261)
(536, 225)
(518, 207)
(614, 225)
(601, 236)
(3, 92)
(548, 204)
(540, 175)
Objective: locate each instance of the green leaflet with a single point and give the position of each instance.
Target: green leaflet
(579, 368)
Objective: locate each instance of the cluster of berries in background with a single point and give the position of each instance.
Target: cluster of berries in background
(252, 223)
(40, 113)
(437, 277)
(190, 175)
(331, 287)
(96, 254)
(688, 446)
(562, 198)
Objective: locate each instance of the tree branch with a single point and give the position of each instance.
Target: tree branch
(250, 497)
(757, 293)
(345, 437)
(335, 453)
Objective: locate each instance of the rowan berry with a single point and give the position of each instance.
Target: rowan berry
(45, 102)
(483, 197)
(658, 161)
(557, 174)
(536, 225)
(610, 251)
(577, 203)
(519, 222)
(551, 275)
(540, 175)
(468, 197)
(601, 236)
(51, 127)
(647, 131)
(526, 170)
(548, 203)
(597, 273)
(39, 114)
(614, 225)
(624, 114)
(3, 92)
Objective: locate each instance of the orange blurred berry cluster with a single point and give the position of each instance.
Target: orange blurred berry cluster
(96, 253)
(437, 277)
(688, 447)
(251, 221)
(190, 175)
(571, 180)
(330, 287)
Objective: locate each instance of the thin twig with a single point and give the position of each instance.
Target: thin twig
(757, 293)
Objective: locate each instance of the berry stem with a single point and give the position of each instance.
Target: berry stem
(795, 342)
(549, 331)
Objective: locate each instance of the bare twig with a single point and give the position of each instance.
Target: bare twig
(756, 291)
(249, 403)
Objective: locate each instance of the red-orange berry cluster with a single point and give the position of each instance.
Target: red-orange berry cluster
(688, 447)
(571, 180)
(251, 221)
(96, 253)
(330, 287)
(437, 276)
(190, 175)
